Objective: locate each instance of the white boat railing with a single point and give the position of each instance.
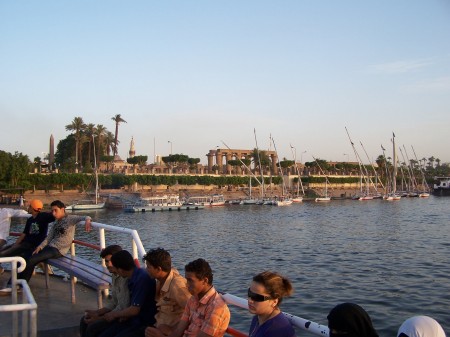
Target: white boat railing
(301, 323)
(28, 307)
(137, 247)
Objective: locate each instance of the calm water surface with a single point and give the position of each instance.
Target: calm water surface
(392, 258)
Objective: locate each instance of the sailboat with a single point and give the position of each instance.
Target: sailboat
(425, 192)
(89, 204)
(393, 195)
(298, 197)
(249, 200)
(284, 200)
(324, 197)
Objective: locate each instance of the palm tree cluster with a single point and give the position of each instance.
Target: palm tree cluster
(77, 150)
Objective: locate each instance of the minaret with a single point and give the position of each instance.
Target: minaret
(132, 150)
(51, 153)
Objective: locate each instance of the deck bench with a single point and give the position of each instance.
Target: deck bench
(92, 274)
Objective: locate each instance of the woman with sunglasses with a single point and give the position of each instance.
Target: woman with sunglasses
(350, 320)
(264, 297)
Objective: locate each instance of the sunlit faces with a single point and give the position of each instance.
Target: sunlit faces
(195, 285)
(262, 304)
(58, 213)
(152, 271)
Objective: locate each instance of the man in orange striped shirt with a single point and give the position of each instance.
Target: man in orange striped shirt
(205, 314)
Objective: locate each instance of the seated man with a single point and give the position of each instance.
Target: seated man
(5, 223)
(205, 314)
(142, 309)
(92, 323)
(33, 234)
(56, 244)
(171, 292)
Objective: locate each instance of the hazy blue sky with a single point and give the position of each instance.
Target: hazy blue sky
(198, 72)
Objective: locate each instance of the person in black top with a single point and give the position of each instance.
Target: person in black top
(33, 234)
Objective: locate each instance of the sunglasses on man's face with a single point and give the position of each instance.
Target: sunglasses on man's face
(257, 297)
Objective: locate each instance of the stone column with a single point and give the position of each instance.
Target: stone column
(219, 161)
(228, 157)
(274, 159)
(210, 156)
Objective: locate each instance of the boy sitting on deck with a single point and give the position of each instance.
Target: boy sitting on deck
(56, 244)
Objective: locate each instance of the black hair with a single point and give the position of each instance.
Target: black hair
(201, 269)
(110, 250)
(58, 203)
(159, 257)
(123, 260)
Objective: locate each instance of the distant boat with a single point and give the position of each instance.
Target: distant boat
(442, 187)
(206, 200)
(393, 195)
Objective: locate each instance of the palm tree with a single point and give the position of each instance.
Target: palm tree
(118, 119)
(77, 125)
(109, 141)
(90, 131)
(100, 131)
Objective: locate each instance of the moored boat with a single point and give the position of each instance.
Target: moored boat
(206, 200)
(442, 186)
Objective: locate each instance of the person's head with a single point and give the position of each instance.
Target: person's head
(58, 209)
(350, 320)
(123, 261)
(106, 254)
(158, 262)
(35, 206)
(199, 276)
(420, 326)
(267, 291)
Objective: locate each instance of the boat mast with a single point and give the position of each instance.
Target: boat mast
(394, 159)
(95, 172)
(298, 172)
(260, 167)
(424, 182)
(279, 167)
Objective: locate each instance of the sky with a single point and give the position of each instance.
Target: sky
(189, 76)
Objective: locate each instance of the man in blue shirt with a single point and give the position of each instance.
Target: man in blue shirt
(142, 309)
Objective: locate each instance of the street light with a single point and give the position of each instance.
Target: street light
(346, 154)
(170, 146)
(301, 156)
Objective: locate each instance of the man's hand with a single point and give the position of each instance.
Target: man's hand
(37, 250)
(153, 332)
(87, 224)
(109, 316)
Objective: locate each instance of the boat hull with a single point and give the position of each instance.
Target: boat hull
(441, 192)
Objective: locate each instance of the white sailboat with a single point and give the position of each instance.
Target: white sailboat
(297, 198)
(284, 200)
(89, 204)
(324, 197)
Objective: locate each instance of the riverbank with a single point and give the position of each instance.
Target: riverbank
(70, 196)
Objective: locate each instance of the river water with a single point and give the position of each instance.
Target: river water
(392, 258)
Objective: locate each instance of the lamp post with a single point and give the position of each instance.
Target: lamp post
(170, 146)
(346, 154)
(301, 156)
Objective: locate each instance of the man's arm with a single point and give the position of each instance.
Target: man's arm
(126, 313)
(19, 239)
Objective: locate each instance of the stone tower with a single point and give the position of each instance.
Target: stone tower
(51, 153)
(132, 150)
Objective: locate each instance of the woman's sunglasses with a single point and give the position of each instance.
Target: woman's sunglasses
(257, 297)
